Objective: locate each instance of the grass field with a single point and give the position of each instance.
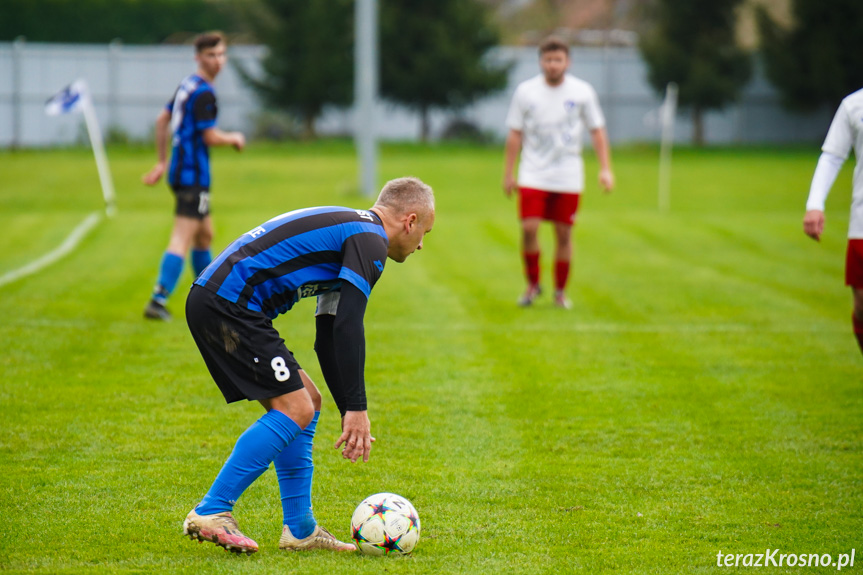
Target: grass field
(703, 395)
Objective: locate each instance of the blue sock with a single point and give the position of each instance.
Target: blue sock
(169, 274)
(294, 468)
(200, 260)
(256, 448)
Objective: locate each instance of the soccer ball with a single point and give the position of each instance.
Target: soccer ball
(385, 524)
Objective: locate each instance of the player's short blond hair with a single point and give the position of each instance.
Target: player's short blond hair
(405, 195)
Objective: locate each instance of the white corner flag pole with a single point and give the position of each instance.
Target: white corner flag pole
(667, 114)
(101, 157)
(74, 98)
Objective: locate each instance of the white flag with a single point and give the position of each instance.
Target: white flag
(69, 100)
(75, 98)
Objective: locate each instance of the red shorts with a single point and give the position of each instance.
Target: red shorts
(552, 206)
(854, 264)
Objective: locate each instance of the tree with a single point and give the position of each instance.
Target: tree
(817, 61)
(432, 54)
(310, 60)
(93, 21)
(693, 44)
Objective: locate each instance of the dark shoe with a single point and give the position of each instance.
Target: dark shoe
(155, 310)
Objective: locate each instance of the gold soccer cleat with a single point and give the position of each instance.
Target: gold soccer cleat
(319, 539)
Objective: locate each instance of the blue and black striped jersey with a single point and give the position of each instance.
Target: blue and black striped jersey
(299, 254)
(193, 110)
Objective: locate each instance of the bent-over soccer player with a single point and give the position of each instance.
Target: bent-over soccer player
(336, 254)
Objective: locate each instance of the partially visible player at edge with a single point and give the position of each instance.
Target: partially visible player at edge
(845, 134)
(545, 122)
(336, 254)
(191, 116)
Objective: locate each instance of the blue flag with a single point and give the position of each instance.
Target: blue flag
(69, 100)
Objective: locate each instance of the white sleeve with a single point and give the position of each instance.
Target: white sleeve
(840, 136)
(825, 174)
(515, 116)
(592, 113)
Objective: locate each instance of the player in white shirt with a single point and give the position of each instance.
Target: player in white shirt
(845, 134)
(545, 120)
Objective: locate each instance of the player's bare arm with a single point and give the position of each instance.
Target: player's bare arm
(356, 436)
(216, 137)
(511, 151)
(813, 224)
(155, 174)
(603, 154)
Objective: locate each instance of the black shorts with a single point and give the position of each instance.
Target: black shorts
(243, 351)
(192, 201)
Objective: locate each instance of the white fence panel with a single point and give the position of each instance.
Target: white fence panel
(131, 83)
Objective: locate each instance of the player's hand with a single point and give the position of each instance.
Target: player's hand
(813, 224)
(239, 141)
(152, 177)
(356, 436)
(509, 185)
(606, 180)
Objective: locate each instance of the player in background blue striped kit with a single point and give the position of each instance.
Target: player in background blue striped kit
(336, 254)
(191, 117)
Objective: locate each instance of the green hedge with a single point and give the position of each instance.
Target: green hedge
(99, 21)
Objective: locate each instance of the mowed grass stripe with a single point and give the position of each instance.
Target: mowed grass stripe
(514, 344)
(707, 379)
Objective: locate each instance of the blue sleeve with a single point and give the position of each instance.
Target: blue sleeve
(205, 110)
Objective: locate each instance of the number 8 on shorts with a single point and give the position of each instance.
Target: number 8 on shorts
(280, 369)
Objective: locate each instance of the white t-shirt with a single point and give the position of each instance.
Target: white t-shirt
(551, 120)
(845, 134)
